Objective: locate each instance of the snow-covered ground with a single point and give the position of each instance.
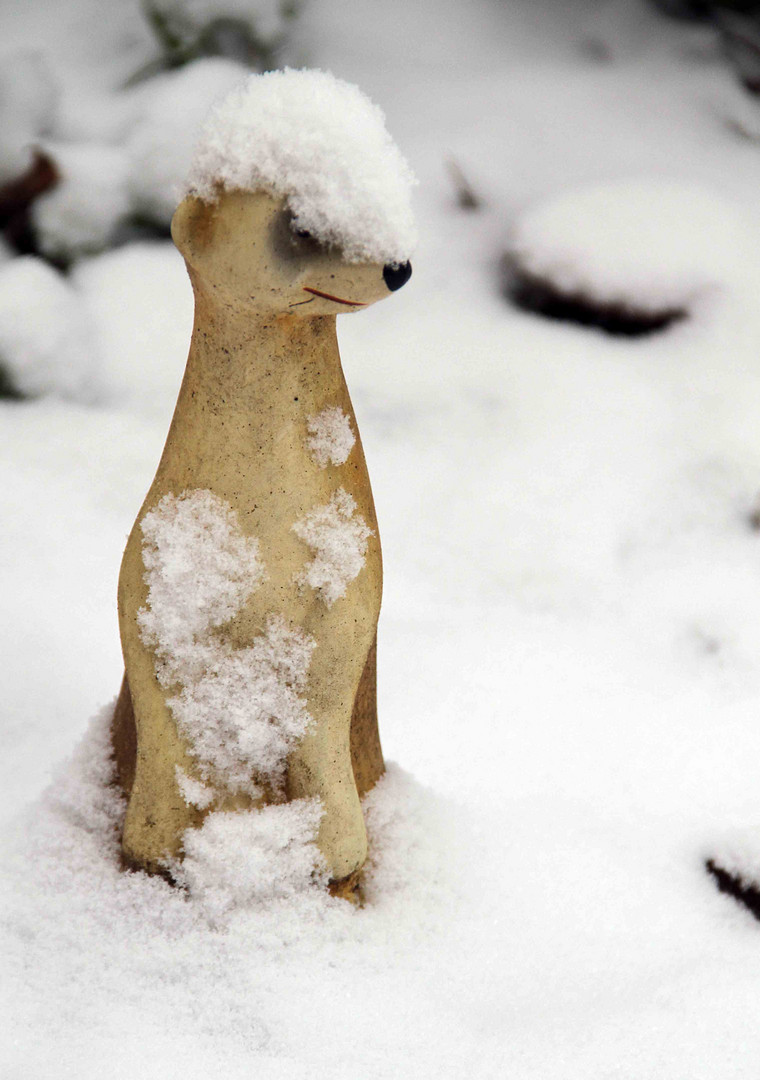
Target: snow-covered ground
(570, 639)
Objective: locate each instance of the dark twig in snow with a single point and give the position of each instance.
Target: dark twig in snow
(748, 895)
(17, 196)
(467, 197)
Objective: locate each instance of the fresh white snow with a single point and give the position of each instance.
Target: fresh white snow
(331, 438)
(337, 534)
(569, 644)
(194, 792)
(200, 569)
(238, 861)
(320, 142)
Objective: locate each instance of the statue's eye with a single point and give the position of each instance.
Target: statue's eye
(291, 240)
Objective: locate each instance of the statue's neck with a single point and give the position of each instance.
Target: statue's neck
(251, 382)
(237, 354)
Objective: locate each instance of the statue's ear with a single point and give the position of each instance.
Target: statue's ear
(192, 226)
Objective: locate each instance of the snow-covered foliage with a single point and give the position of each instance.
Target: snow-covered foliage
(242, 860)
(320, 142)
(241, 710)
(331, 437)
(28, 98)
(80, 214)
(266, 20)
(646, 244)
(45, 345)
(337, 534)
(160, 145)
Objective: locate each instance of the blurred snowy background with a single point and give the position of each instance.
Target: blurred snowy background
(570, 639)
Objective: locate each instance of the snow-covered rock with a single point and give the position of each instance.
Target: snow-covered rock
(646, 245)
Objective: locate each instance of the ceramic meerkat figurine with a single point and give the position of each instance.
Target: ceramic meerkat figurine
(250, 587)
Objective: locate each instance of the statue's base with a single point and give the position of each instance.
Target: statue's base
(349, 888)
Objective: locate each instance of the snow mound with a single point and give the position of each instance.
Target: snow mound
(211, 974)
(338, 536)
(81, 212)
(322, 144)
(331, 438)
(45, 339)
(140, 306)
(241, 710)
(648, 245)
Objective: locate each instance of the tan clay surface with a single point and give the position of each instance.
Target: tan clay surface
(263, 359)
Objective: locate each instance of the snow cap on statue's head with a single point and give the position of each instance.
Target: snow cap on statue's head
(323, 145)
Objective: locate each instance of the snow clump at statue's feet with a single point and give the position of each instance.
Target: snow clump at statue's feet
(331, 438)
(237, 860)
(321, 144)
(647, 245)
(338, 536)
(257, 875)
(240, 710)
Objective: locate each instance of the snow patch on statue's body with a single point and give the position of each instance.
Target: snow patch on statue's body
(338, 536)
(250, 587)
(331, 437)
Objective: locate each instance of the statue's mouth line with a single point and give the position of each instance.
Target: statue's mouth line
(335, 299)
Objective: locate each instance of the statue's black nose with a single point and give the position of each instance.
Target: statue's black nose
(395, 276)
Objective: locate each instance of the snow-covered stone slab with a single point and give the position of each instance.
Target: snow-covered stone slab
(629, 257)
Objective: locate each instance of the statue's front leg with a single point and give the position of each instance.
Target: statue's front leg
(157, 812)
(148, 749)
(124, 738)
(366, 751)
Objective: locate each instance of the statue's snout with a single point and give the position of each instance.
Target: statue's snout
(395, 275)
